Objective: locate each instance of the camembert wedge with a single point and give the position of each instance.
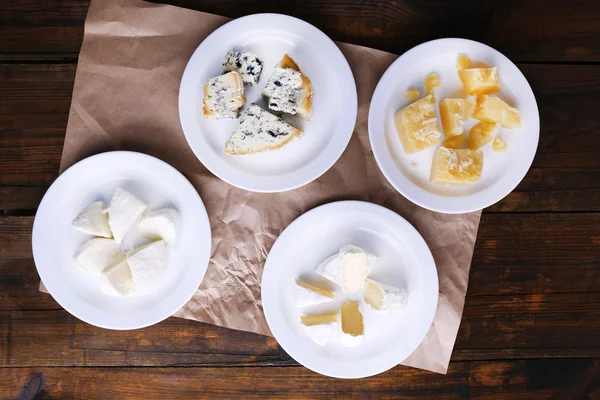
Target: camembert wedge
(454, 113)
(382, 297)
(308, 294)
(456, 166)
(481, 134)
(480, 80)
(320, 327)
(349, 268)
(417, 125)
(352, 324)
(494, 110)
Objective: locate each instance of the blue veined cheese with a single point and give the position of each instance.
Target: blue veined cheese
(283, 90)
(246, 64)
(223, 96)
(258, 130)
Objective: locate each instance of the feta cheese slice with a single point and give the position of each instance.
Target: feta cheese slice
(349, 268)
(159, 224)
(96, 254)
(383, 297)
(124, 210)
(320, 327)
(352, 333)
(310, 295)
(147, 263)
(93, 220)
(116, 278)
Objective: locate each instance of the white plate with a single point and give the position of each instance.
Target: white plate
(325, 136)
(404, 261)
(55, 241)
(409, 174)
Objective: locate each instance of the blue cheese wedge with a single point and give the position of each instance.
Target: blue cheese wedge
(258, 130)
(223, 96)
(289, 90)
(308, 294)
(244, 63)
(93, 220)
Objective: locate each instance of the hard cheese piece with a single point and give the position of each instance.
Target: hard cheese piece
(417, 125)
(124, 210)
(147, 263)
(454, 114)
(499, 145)
(412, 93)
(309, 295)
(431, 82)
(384, 297)
(223, 96)
(352, 324)
(159, 224)
(455, 142)
(116, 278)
(244, 63)
(480, 80)
(462, 61)
(93, 220)
(349, 268)
(495, 111)
(319, 328)
(456, 166)
(481, 134)
(96, 254)
(258, 130)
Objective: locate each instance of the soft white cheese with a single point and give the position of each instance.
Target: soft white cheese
(96, 254)
(383, 297)
(320, 333)
(124, 210)
(349, 268)
(306, 297)
(116, 278)
(160, 224)
(147, 263)
(93, 220)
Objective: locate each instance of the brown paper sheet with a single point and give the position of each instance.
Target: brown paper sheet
(125, 97)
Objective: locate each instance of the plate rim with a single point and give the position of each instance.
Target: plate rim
(346, 124)
(449, 207)
(45, 206)
(428, 264)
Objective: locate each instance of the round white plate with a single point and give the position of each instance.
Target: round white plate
(404, 261)
(409, 174)
(55, 241)
(325, 136)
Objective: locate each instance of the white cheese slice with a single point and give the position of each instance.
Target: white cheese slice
(93, 220)
(160, 224)
(124, 210)
(116, 278)
(321, 333)
(383, 297)
(147, 263)
(96, 254)
(349, 268)
(310, 295)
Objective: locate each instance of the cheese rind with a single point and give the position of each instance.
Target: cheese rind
(124, 210)
(480, 80)
(310, 295)
(454, 113)
(116, 278)
(383, 297)
(160, 224)
(96, 254)
(348, 268)
(317, 319)
(223, 96)
(456, 166)
(494, 110)
(147, 263)
(93, 220)
(244, 63)
(352, 332)
(481, 134)
(417, 126)
(258, 130)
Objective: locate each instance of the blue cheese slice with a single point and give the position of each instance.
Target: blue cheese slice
(223, 96)
(244, 63)
(258, 130)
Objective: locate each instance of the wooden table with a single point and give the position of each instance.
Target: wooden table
(531, 325)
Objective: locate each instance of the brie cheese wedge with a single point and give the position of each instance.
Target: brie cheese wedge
(159, 224)
(116, 278)
(353, 329)
(147, 263)
(124, 210)
(382, 297)
(93, 220)
(96, 254)
(320, 327)
(310, 295)
(349, 268)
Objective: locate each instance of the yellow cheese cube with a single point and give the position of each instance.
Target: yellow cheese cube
(481, 134)
(495, 111)
(412, 93)
(417, 125)
(456, 166)
(499, 145)
(462, 61)
(480, 80)
(431, 81)
(455, 142)
(454, 114)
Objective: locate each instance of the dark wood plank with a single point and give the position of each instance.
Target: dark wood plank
(531, 379)
(552, 30)
(35, 100)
